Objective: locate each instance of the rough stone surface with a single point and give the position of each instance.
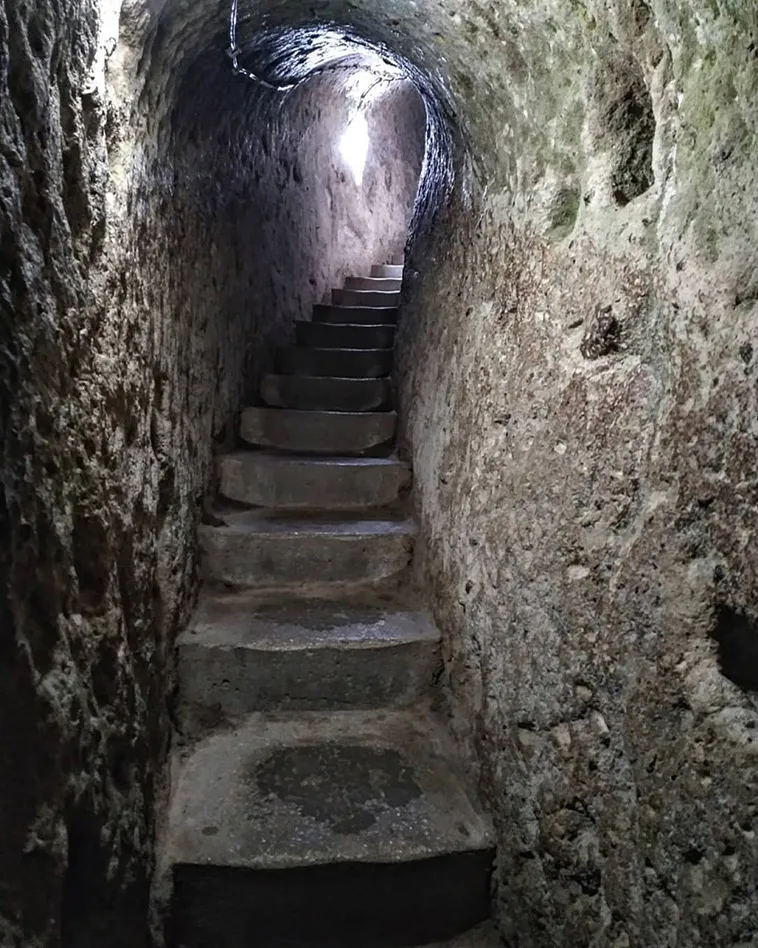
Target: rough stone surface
(340, 363)
(241, 654)
(578, 379)
(321, 393)
(588, 497)
(385, 787)
(380, 844)
(271, 548)
(345, 335)
(387, 270)
(373, 315)
(379, 298)
(272, 480)
(372, 283)
(96, 530)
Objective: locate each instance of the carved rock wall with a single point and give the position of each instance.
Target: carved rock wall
(580, 395)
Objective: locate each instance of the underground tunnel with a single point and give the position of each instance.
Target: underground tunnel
(470, 662)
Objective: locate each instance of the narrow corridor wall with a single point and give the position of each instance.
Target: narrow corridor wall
(92, 570)
(580, 397)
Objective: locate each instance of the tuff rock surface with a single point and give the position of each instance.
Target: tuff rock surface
(578, 388)
(588, 492)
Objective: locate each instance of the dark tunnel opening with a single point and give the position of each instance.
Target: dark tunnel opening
(245, 202)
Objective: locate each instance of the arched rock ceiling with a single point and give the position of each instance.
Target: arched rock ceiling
(518, 75)
(514, 71)
(468, 51)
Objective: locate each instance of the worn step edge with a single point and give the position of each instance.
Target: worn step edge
(335, 361)
(387, 270)
(365, 298)
(368, 315)
(300, 481)
(278, 551)
(389, 284)
(236, 658)
(240, 620)
(295, 429)
(326, 393)
(282, 522)
(345, 335)
(337, 905)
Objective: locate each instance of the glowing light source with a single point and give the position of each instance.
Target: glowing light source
(354, 146)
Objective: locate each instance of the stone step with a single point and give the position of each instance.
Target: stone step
(387, 270)
(270, 480)
(334, 363)
(307, 392)
(391, 284)
(365, 298)
(373, 315)
(319, 432)
(344, 335)
(241, 654)
(326, 829)
(269, 548)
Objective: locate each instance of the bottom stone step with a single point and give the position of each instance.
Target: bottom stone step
(332, 906)
(326, 829)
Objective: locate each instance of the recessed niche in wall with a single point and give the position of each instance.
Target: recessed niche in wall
(737, 638)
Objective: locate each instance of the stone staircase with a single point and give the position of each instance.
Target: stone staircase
(318, 800)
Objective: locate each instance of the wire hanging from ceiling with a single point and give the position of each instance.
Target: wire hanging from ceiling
(388, 74)
(234, 53)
